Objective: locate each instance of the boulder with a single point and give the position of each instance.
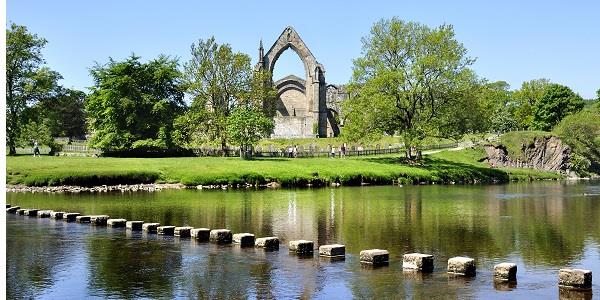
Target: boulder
(575, 278)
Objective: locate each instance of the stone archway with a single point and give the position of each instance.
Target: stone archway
(311, 91)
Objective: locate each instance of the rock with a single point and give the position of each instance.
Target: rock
(82, 219)
(165, 230)
(270, 242)
(461, 266)
(70, 217)
(418, 261)
(244, 239)
(150, 227)
(183, 232)
(116, 222)
(44, 213)
(302, 246)
(99, 220)
(57, 215)
(221, 236)
(21, 211)
(334, 250)
(30, 212)
(374, 256)
(7, 205)
(575, 278)
(543, 153)
(134, 225)
(200, 234)
(505, 272)
(13, 210)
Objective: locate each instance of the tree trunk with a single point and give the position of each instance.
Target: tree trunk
(12, 150)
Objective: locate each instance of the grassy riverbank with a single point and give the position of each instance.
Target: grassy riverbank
(446, 166)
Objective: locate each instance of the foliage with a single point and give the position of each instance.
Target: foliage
(39, 132)
(408, 72)
(247, 126)
(64, 113)
(581, 131)
(557, 102)
(497, 110)
(133, 104)
(27, 81)
(525, 99)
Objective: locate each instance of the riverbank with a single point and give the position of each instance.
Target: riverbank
(462, 166)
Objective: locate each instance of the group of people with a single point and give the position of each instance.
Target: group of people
(293, 151)
(342, 150)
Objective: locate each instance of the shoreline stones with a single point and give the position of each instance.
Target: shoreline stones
(99, 220)
(183, 231)
(374, 257)
(575, 278)
(464, 266)
(150, 227)
(505, 272)
(71, 217)
(334, 250)
(418, 261)
(270, 243)
(244, 239)
(134, 225)
(221, 236)
(165, 230)
(116, 222)
(200, 234)
(152, 187)
(301, 247)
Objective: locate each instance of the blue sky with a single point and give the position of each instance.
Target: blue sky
(513, 41)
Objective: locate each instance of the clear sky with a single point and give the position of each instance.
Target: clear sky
(513, 41)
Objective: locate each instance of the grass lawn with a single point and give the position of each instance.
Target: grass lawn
(440, 167)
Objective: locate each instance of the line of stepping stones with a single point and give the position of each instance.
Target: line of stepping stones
(461, 266)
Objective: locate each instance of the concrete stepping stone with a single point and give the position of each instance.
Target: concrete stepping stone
(150, 227)
(165, 230)
(200, 234)
(334, 250)
(99, 220)
(505, 272)
(270, 243)
(575, 278)
(57, 215)
(221, 236)
(302, 247)
(82, 219)
(71, 217)
(134, 225)
(374, 256)
(116, 223)
(183, 231)
(418, 261)
(244, 239)
(460, 265)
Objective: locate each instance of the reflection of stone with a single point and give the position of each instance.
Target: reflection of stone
(374, 256)
(504, 285)
(116, 223)
(244, 239)
(461, 266)
(302, 246)
(200, 234)
(575, 278)
(150, 227)
(183, 231)
(165, 230)
(270, 242)
(418, 261)
(574, 294)
(134, 225)
(332, 250)
(416, 275)
(221, 236)
(505, 272)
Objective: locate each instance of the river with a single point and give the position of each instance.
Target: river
(542, 227)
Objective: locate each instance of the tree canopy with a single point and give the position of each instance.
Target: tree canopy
(557, 102)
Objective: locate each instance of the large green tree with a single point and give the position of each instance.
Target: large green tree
(581, 131)
(557, 102)
(27, 80)
(64, 113)
(525, 99)
(132, 104)
(408, 73)
(246, 126)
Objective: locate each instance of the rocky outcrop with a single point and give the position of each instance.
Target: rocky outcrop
(544, 153)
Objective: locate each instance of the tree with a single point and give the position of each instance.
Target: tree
(598, 100)
(581, 131)
(525, 98)
(132, 105)
(27, 81)
(246, 126)
(64, 113)
(557, 102)
(407, 74)
(216, 78)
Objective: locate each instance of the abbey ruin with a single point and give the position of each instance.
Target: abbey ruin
(306, 107)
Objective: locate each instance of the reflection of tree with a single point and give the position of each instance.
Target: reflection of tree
(129, 269)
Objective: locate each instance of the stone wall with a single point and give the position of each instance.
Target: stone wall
(293, 127)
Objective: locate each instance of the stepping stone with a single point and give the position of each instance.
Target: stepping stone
(244, 239)
(150, 227)
(99, 220)
(165, 230)
(116, 222)
(183, 231)
(134, 225)
(57, 215)
(221, 236)
(374, 256)
(70, 217)
(44, 213)
(575, 278)
(334, 250)
(31, 212)
(82, 219)
(7, 205)
(13, 210)
(302, 246)
(200, 234)
(464, 266)
(21, 211)
(271, 243)
(505, 272)
(418, 261)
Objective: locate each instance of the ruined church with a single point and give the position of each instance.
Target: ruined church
(305, 107)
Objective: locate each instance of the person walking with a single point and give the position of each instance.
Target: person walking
(36, 149)
(332, 152)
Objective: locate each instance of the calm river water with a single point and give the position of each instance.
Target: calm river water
(541, 227)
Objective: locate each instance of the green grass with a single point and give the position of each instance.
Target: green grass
(445, 166)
